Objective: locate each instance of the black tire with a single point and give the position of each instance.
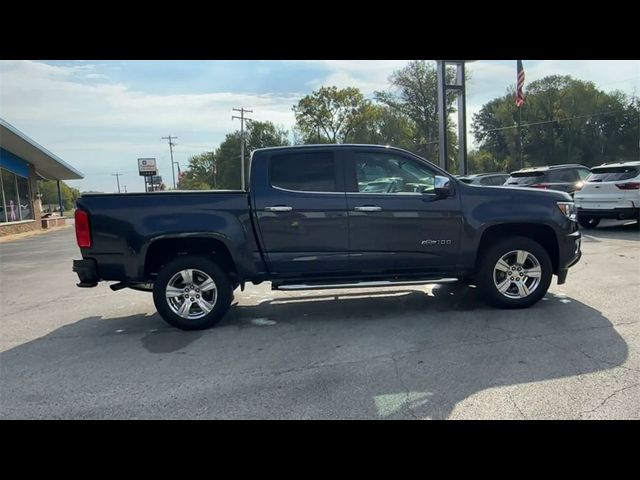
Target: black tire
(588, 222)
(487, 263)
(223, 285)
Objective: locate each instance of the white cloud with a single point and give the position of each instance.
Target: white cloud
(88, 121)
(367, 75)
(101, 126)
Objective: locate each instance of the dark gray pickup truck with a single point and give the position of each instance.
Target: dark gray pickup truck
(326, 216)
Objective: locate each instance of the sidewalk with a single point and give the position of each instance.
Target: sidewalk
(20, 236)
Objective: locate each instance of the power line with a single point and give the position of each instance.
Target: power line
(173, 173)
(242, 118)
(553, 121)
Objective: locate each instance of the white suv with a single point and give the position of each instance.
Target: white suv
(611, 191)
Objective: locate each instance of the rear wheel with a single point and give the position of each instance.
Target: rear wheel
(588, 222)
(192, 293)
(514, 273)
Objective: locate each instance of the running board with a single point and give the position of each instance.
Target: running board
(385, 283)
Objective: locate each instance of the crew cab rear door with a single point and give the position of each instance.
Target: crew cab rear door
(300, 207)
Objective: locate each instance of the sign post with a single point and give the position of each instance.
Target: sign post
(147, 168)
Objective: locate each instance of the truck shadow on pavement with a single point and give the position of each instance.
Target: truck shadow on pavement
(403, 353)
(428, 351)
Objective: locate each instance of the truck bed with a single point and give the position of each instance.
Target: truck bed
(123, 226)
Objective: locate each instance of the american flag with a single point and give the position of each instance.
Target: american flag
(519, 93)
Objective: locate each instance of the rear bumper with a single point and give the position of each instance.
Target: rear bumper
(615, 213)
(87, 272)
(569, 253)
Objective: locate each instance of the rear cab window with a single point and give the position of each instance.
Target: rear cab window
(612, 174)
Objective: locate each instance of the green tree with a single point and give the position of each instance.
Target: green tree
(384, 126)
(199, 175)
(257, 135)
(414, 95)
(564, 120)
(49, 191)
(332, 115)
(221, 169)
(479, 161)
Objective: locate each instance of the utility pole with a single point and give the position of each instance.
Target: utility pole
(171, 144)
(242, 118)
(125, 188)
(117, 175)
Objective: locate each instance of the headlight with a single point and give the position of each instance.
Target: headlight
(568, 208)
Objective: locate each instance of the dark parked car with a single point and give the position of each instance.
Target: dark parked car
(565, 178)
(486, 179)
(310, 220)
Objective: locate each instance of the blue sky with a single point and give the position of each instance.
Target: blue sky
(100, 116)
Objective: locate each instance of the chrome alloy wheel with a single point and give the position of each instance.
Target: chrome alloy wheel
(517, 274)
(191, 294)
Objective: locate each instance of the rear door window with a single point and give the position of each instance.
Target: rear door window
(612, 174)
(304, 172)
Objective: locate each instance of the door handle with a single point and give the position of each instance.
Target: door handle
(278, 208)
(368, 208)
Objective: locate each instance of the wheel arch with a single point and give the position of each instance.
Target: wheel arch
(539, 232)
(162, 250)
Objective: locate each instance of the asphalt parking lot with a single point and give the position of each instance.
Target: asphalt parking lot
(426, 352)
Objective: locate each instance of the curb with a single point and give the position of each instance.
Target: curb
(33, 233)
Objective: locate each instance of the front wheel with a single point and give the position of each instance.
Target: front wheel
(192, 293)
(514, 273)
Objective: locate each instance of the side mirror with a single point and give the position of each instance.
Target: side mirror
(442, 187)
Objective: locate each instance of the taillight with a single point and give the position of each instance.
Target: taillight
(539, 185)
(83, 234)
(628, 186)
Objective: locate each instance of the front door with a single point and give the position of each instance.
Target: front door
(396, 222)
(301, 213)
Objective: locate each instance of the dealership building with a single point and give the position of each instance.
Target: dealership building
(22, 163)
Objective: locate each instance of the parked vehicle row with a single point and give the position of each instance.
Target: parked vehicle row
(610, 191)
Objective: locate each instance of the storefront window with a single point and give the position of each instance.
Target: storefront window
(26, 209)
(16, 198)
(3, 213)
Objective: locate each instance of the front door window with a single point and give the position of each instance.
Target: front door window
(391, 174)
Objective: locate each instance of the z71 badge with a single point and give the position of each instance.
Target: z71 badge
(430, 243)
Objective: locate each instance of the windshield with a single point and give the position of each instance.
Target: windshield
(525, 178)
(612, 174)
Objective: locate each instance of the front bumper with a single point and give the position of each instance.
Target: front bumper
(87, 271)
(569, 253)
(615, 213)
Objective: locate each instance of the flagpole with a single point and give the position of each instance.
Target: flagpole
(520, 136)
